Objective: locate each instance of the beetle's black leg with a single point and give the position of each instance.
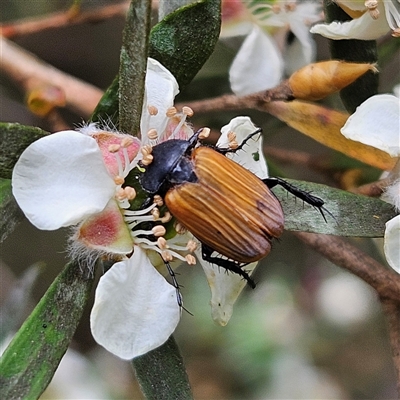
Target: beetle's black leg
(176, 286)
(301, 194)
(235, 267)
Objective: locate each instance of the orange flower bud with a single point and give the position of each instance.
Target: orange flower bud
(44, 99)
(316, 81)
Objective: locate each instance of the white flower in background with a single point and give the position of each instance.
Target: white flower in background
(376, 123)
(371, 19)
(259, 63)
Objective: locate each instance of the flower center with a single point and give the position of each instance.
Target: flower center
(148, 226)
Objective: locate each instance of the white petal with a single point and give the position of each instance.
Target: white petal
(363, 28)
(251, 157)
(258, 65)
(161, 89)
(61, 179)
(135, 308)
(392, 243)
(376, 122)
(302, 50)
(225, 289)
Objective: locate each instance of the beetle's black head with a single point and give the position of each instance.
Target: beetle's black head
(171, 165)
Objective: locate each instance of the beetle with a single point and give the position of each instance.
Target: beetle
(226, 207)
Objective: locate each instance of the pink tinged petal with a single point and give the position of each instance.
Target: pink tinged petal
(376, 123)
(392, 243)
(251, 157)
(61, 179)
(225, 289)
(172, 132)
(362, 28)
(161, 89)
(106, 231)
(135, 308)
(258, 65)
(104, 139)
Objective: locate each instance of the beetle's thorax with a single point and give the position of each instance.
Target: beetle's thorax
(171, 165)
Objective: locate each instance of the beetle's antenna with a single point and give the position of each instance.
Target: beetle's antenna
(194, 139)
(225, 150)
(176, 286)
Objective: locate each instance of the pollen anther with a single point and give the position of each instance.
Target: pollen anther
(187, 111)
(159, 230)
(205, 133)
(166, 218)
(152, 134)
(171, 111)
(147, 159)
(191, 260)
(119, 180)
(113, 148)
(162, 243)
(157, 199)
(130, 192)
(191, 246)
(153, 110)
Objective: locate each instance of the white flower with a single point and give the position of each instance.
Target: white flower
(70, 178)
(259, 63)
(83, 178)
(135, 308)
(372, 19)
(376, 123)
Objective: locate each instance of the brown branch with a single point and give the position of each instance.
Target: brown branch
(61, 19)
(385, 281)
(372, 189)
(29, 72)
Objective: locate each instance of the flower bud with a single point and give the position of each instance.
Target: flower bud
(318, 80)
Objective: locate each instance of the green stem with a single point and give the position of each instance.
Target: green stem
(133, 63)
(161, 373)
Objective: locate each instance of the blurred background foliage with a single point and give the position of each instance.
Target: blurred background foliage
(308, 331)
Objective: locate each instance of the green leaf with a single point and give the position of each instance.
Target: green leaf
(161, 373)
(354, 215)
(108, 107)
(184, 40)
(29, 362)
(10, 213)
(133, 64)
(363, 51)
(14, 139)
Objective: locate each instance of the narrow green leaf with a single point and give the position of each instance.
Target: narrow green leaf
(185, 39)
(10, 213)
(14, 139)
(108, 107)
(354, 215)
(161, 373)
(29, 362)
(364, 51)
(133, 63)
